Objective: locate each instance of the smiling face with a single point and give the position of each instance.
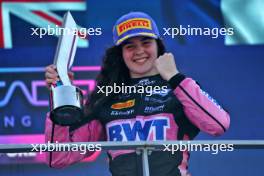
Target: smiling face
(139, 54)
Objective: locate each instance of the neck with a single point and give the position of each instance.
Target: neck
(150, 73)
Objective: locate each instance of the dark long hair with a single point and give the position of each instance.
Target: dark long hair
(114, 70)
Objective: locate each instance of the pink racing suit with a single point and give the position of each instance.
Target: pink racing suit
(177, 113)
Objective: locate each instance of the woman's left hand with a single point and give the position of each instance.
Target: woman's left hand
(166, 66)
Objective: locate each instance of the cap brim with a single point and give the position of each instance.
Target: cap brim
(146, 34)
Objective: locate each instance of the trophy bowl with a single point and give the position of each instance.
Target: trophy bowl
(66, 105)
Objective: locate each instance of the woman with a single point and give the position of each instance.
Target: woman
(178, 111)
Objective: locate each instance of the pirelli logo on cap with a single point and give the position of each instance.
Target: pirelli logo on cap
(135, 23)
(122, 105)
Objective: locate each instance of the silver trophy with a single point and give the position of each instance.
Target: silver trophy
(66, 100)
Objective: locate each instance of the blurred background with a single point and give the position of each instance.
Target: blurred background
(229, 68)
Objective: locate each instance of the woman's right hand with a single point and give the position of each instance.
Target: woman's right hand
(51, 75)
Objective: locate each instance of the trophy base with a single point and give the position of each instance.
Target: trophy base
(66, 105)
(66, 115)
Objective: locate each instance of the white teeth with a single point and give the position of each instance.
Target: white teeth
(140, 60)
